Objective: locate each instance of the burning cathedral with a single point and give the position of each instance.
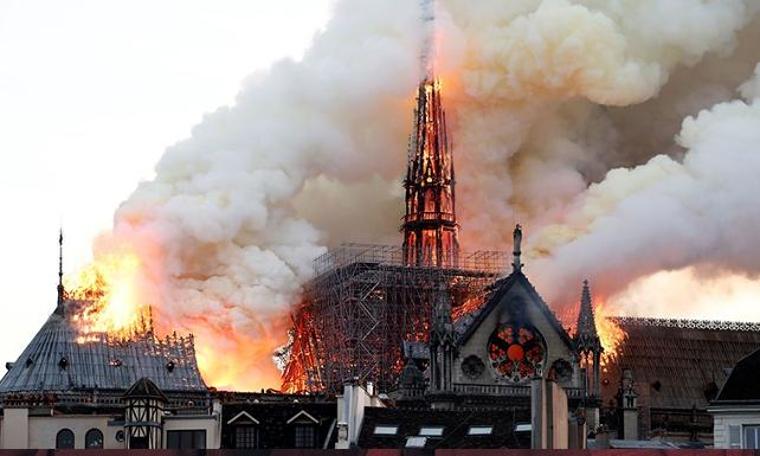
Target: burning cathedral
(443, 329)
(416, 345)
(440, 326)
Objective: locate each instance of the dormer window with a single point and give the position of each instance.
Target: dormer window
(246, 430)
(304, 430)
(246, 436)
(415, 442)
(480, 430)
(305, 435)
(431, 431)
(386, 429)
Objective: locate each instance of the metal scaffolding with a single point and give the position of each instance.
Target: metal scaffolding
(364, 302)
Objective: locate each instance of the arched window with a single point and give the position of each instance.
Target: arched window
(64, 439)
(93, 439)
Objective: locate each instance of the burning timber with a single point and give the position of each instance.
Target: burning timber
(365, 302)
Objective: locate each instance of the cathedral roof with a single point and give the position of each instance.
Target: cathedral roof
(678, 363)
(58, 360)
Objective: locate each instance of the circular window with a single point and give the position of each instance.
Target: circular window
(561, 371)
(517, 352)
(473, 367)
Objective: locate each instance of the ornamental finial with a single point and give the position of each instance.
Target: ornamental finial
(517, 239)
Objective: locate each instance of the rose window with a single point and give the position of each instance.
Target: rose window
(516, 352)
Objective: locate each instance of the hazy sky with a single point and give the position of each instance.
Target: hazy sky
(91, 92)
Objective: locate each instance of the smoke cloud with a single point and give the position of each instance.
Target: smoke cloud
(563, 115)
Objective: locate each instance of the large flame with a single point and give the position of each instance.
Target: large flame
(107, 295)
(610, 334)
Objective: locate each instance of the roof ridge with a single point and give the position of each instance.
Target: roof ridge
(722, 325)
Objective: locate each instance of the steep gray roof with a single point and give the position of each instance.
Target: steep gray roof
(677, 364)
(54, 361)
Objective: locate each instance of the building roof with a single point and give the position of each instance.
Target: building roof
(743, 385)
(58, 360)
(276, 417)
(455, 428)
(678, 363)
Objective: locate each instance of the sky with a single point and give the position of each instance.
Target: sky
(91, 93)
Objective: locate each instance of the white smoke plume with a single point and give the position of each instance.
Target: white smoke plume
(552, 102)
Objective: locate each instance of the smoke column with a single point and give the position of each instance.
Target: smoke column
(564, 117)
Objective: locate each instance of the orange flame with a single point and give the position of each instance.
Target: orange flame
(106, 291)
(610, 334)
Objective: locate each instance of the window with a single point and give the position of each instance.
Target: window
(752, 437)
(305, 436)
(431, 431)
(93, 439)
(524, 427)
(381, 429)
(64, 439)
(416, 442)
(480, 430)
(246, 437)
(181, 440)
(734, 436)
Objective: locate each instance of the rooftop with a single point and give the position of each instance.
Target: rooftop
(58, 360)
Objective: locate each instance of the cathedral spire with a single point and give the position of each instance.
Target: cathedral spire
(430, 224)
(61, 290)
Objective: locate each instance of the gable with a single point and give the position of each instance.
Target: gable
(303, 416)
(516, 299)
(243, 417)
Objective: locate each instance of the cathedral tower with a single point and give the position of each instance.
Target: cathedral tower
(430, 224)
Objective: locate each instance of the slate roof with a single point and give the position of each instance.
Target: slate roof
(678, 364)
(743, 384)
(54, 361)
(456, 425)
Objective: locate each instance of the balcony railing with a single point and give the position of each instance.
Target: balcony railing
(430, 217)
(507, 390)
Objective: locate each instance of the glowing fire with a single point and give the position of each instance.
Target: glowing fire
(610, 334)
(105, 292)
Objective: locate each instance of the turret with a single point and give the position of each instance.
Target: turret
(588, 345)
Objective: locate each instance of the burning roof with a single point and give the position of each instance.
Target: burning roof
(58, 359)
